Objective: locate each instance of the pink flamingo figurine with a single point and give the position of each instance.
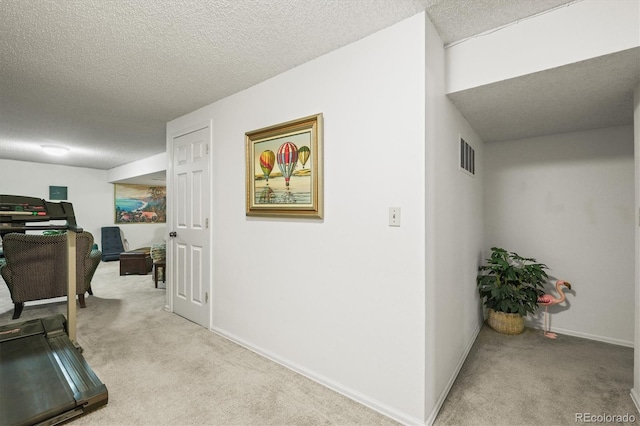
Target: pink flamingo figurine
(547, 300)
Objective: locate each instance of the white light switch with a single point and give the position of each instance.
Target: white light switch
(394, 216)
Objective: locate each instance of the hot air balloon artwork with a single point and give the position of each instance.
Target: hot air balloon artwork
(292, 188)
(267, 160)
(287, 161)
(303, 155)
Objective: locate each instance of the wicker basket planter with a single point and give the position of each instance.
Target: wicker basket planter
(505, 323)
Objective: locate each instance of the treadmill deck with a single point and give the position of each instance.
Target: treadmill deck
(44, 379)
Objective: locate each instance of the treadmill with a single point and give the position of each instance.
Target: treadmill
(44, 379)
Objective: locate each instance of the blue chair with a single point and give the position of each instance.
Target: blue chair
(111, 243)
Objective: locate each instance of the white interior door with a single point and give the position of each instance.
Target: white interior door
(189, 232)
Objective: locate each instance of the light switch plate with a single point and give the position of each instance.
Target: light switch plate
(394, 216)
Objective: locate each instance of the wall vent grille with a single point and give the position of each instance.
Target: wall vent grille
(467, 157)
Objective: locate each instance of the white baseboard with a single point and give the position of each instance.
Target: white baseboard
(605, 339)
(635, 398)
(452, 379)
(337, 387)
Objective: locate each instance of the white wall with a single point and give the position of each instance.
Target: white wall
(340, 299)
(155, 163)
(568, 201)
(87, 189)
(522, 48)
(635, 392)
(141, 235)
(454, 235)
(146, 234)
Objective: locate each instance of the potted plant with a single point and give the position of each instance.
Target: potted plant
(509, 286)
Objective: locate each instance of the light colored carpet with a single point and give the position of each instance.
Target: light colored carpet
(161, 369)
(531, 380)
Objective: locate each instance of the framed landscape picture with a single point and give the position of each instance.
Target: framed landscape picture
(140, 203)
(284, 169)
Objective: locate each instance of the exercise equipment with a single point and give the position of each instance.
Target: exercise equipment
(44, 379)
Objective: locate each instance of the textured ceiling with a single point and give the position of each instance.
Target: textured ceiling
(103, 77)
(574, 97)
(459, 19)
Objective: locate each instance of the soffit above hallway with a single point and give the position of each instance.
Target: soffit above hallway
(103, 77)
(456, 20)
(586, 95)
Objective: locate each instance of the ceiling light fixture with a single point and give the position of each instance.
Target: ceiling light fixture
(55, 150)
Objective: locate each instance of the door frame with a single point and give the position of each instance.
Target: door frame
(208, 124)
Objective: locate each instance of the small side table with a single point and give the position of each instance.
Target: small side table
(160, 264)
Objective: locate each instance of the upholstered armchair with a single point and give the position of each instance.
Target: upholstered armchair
(36, 267)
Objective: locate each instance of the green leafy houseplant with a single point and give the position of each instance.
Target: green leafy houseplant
(510, 283)
(53, 232)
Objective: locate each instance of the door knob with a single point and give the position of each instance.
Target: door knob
(173, 234)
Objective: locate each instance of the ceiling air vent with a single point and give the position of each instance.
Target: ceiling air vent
(467, 157)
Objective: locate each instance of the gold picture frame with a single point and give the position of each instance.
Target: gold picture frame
(284, 169)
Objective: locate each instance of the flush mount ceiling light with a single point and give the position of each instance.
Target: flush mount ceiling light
(54, 150)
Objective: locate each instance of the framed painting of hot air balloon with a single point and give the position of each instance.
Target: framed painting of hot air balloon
(284, 169)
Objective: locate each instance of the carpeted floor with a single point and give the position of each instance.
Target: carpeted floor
(161, 369)
(531, 380)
